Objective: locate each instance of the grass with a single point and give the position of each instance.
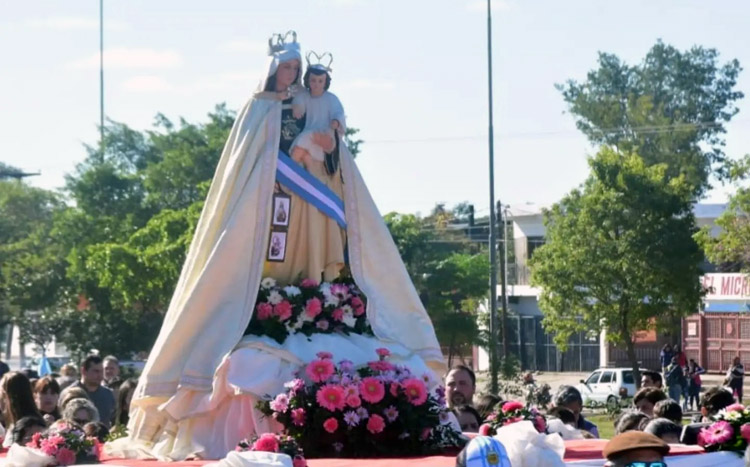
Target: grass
(605, 424)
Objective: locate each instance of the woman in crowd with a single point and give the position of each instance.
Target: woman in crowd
(80, 411)
(46, 396)
(25, 428)
(694, 384)
(17, 401)
(124, 396)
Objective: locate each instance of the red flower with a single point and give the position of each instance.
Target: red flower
(381, 366)
(485, 429)
(331, 425)
(267, 442)
(353, 401)
(540, 424)
(331, 397)
(394, 389)
(359, 307)
(745, 431)
(382, 352)
(299, 461)
(308, 283)
(65, 457)
(338, 314)
(298, 417)
(319, 370)
(324, 355)
(313, 307)
(511, 406)
(372, 390)
(415, 390)
(264, 310)
(34, 443)
(375, 424)
(283, 310)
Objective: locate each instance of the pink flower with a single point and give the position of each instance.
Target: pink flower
(339, 290)
(308, 283)
(338, 314)
(382, 352)
(331, 397)
(65, 457)
(267, 442)
(381, 366)
(48, 447)
(322, 324)
(511, 406)
(540, 424)
(735, 408)
(359, 307)
(394, 389)
(415, 390)
(371, 390)
(745, 431)
(718, 433)
(298, 417)
(351, 390)
(313, 307)
(485, 429)
(375, 424)
(391, 413)
(324, 355)
(319, 370)
(299, 461)
(353, 401)
(34, 443)
(283, 310)
(96, 449)
(331, 425)
(264, 310)
(280, 403)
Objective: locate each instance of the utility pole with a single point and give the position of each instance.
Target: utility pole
(493, 242)
(503, 277)
(101, 76)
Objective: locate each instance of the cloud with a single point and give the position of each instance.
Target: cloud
(75, 23)
(130, 58)
(496, 5)
(158, 84)
(244, 45)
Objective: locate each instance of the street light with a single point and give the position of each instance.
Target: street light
(493, 242)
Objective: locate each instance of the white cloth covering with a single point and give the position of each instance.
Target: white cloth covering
(253, 459)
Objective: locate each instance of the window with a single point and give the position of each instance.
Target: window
(594, 378)
(532, 243)
(627, 377)
(606, 377)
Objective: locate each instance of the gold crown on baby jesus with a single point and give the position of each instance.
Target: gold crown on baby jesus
(282, 42)
(318, 61)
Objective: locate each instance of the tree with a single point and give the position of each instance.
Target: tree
(671, 109)
(620, 253)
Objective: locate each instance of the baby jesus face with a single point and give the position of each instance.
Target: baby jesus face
(317, 84)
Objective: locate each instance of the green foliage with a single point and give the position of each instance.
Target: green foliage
(620, 252)
(671, 108)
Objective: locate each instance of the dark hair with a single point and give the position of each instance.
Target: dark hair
(716, 399)
(487, 404)
(667, 345)
(669, 409)
(567, 395)
(97, 430)
(565, 415)
(467, 408)
(652, 395)
(122, 411)
(20, 399)
(23, 424)
(271, 81)
(468, 370)
(46, 384)
(655, 376)
(90, 361)
(662, 426)
(316, 72)
(631, 421)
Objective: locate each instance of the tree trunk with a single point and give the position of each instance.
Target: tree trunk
(630, 345)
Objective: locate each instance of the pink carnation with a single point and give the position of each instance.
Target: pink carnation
(280, 403)
(359, 307)
(299, 461)
(319, 370)
(338, 314)
(735, 408)
(267, 442)
(372, 390)
(353, 401)
(394, 389)
(382, 352)
(745, 431)
(264, 310)
(511, 406)
(331, 397)
(322, 324)
(415, 390)
(298, 417)
(331, 425)
(308, 283)
(381, 366)
(313, 307)
(65, 457)
(324, 355)
(283, 310)
(47, 447)
(375, 424)
(35, 438)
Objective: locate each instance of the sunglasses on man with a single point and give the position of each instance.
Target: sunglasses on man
(647, 464)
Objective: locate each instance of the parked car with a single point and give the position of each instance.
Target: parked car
(607, 386)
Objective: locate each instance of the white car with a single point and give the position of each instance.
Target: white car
(607, 386)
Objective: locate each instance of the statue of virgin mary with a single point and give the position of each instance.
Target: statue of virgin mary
(197, 394)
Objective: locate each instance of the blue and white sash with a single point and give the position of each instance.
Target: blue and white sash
(309, 188)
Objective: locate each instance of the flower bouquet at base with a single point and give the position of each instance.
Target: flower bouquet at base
(308, 308)
(512, 412)
(61, 444)
(730, 432)
(379, 410)
(270, 442)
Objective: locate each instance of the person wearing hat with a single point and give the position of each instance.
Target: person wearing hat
(483, 451)
(635, 449)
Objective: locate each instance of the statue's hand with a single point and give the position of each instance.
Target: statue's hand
(324, 140)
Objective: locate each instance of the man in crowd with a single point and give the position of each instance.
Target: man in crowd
(646, 399)
(92, 374)
(112, 378)
(651, 379)
(635, 448)
(570, 398)
(460, 384)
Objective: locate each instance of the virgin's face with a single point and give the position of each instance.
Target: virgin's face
(317, 84)
(286, 73)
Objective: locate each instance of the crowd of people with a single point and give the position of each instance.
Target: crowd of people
(93, 397)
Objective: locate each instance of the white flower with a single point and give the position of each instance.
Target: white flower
(348, 309)
(274, 298)
(292, 291)
(268, 282)
(349, 319)
(331, 300)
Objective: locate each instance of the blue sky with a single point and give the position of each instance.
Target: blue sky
(411, 75)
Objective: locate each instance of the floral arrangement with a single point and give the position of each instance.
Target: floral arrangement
(270, 442)
(381, 409)
(731, 431)
(67, 444)
(308, 308)
(513, 412)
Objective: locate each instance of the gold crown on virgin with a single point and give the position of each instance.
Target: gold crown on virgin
(318, 62)
(278, 43)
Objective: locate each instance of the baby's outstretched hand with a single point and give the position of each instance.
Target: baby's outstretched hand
(298, 111)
